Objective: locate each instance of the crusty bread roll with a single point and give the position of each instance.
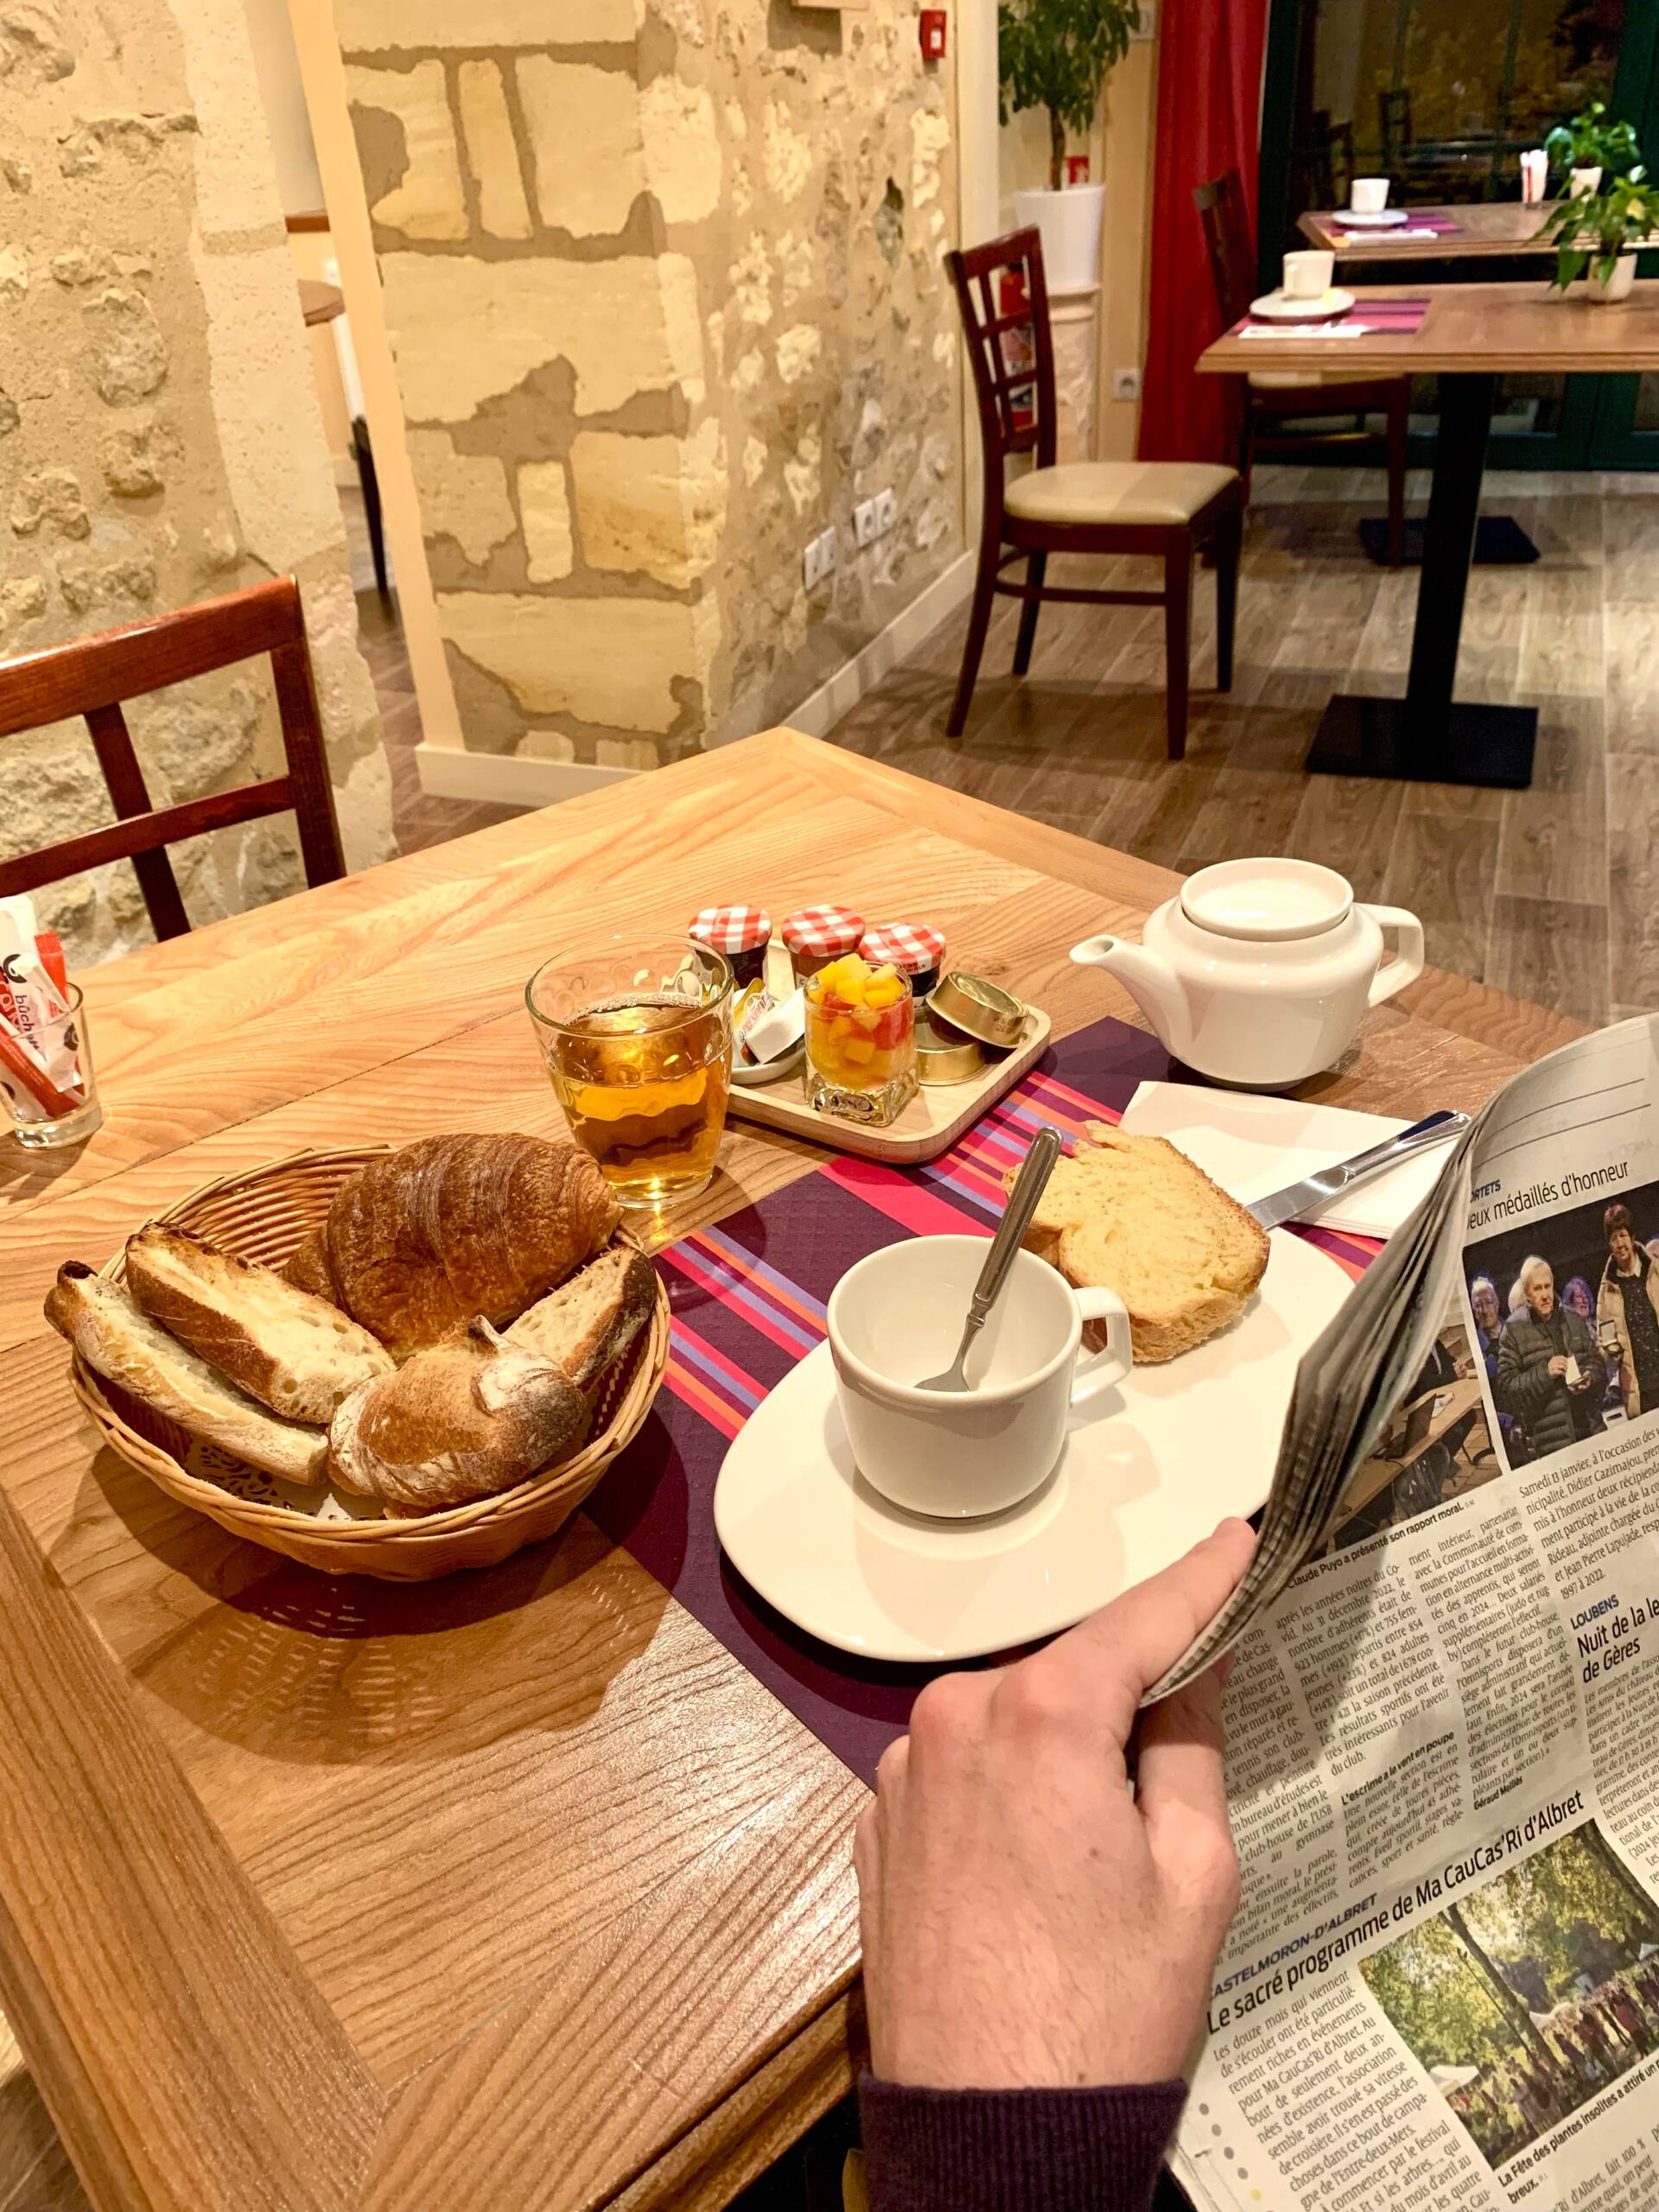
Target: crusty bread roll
(119, 1340)
(592, 1320)
(1134, 1215)
(460, 1421)
(293, 1351)
(415, 1245)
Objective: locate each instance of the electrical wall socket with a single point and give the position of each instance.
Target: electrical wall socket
(866, 528)
(818, 558)
(887, 512)
(1125, 384)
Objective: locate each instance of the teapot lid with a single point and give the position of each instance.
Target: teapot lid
(1268, 901)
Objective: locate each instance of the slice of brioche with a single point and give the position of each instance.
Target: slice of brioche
(1134, 1215)
(295, 1352)
(592, 1320)
(117, 1339)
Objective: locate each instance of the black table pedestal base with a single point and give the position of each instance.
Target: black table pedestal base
(1461, 744)
(1500, 542)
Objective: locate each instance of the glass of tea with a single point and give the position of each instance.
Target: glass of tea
(637, 1045)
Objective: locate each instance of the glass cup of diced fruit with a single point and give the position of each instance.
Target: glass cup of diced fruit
(861, 1040)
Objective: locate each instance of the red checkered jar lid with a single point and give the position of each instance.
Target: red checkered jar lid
(915, 947)
(733, 929)
(823, 929)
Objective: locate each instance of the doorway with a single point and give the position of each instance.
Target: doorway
(1443, 101)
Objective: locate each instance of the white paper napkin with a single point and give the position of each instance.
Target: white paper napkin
(1369, 232)
(1254, 1146)
(1306, 330)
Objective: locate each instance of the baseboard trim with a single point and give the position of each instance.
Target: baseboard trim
(819, 712)
(508, 779)
(511, 780)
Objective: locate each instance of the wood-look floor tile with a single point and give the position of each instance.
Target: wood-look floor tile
(1630, 537)
(1348, 822)
(1554, 837)
(1633, 880)
(1551, 950)
(1632, 648)
(1443, 866)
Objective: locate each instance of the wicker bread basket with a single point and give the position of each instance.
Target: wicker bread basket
(264, 1216)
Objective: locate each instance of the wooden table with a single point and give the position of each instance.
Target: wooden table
(1473, 334)
(1487, 230)
(1374, 1475)
(512, 1890)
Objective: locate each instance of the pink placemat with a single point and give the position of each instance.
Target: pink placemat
(1420, 219)
(749, 1297)
(1389, 318)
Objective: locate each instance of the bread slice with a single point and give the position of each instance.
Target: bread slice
(460, 1421)
(592, 1320)
(293, 1351)
(1134, 1215)
(120, 1341)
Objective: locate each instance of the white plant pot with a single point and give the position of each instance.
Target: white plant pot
(1070, 224)
(1607, 291)
(1583, 183)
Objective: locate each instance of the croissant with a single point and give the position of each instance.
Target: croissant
(415, 1246)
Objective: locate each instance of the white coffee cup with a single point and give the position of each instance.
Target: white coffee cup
(898, 1315)
(1308, 274)
(1368, 195)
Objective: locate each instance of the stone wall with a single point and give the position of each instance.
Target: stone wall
(160, 439)
(664, 296)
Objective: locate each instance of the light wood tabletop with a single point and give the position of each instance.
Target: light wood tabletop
(1487, 230)
(514, 1888)
(1477, 329)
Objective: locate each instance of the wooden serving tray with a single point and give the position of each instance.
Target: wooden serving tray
(931, 1124)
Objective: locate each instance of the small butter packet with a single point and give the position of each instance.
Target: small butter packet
(774, 1030)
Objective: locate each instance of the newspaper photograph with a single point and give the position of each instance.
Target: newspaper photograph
(1442, 1987)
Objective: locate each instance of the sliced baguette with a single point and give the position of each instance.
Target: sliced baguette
(592, 1320)
(1134, 1215)
(120, 1341)
(293, 1351)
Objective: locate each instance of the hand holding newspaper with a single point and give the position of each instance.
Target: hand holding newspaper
(1441, 1989)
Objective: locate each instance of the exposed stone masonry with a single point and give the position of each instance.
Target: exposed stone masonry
(159, 434)
(665, 298)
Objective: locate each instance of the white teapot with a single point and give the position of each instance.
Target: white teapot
(1257, 973)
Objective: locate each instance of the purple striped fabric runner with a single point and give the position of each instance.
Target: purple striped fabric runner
(749, 1298)
(1418, 219)
(1392, 318)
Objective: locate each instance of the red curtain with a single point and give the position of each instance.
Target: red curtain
(1209, 107)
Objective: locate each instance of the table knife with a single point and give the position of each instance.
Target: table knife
(1291, 1204)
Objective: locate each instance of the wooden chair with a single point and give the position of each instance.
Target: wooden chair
(1271, 398)
(1168, 509)
(90, 677)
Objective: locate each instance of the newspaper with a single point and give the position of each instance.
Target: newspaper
(1441, 1988)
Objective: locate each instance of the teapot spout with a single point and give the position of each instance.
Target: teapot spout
(1149, 981)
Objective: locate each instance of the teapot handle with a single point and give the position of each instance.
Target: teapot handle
(1408, 962)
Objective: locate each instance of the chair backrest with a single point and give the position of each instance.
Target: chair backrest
(90, 677)
(1226, 235)
(1003, 300)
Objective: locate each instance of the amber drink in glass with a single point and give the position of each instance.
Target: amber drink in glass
(637, 1046)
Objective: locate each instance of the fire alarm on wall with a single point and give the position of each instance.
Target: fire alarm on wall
(933, 23)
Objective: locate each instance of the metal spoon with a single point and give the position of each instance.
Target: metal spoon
(1035, 1172)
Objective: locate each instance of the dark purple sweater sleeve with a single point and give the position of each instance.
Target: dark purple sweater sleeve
(1015, 2150)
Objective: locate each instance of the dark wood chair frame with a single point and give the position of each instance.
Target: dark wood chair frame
(1232, 265)
(90, 677)
(1016, 415)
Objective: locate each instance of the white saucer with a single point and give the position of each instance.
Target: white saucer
(1146, 1472)
(1385, 219)
(1323, 307)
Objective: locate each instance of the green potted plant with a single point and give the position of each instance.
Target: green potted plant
(1055, 54)
(1598, 235)
(1588, 146)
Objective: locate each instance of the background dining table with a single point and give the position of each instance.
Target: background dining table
(1489, 230)
(516, 1888)
(1470, 335)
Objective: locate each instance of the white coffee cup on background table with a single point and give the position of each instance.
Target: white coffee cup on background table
(1368, 195)
(897, 1315)
(1308, 274)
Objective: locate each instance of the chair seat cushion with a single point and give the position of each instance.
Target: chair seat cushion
(1155, 492)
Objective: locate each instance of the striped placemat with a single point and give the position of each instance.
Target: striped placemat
(1386, 318)
(1423, 220)
(749, 1296)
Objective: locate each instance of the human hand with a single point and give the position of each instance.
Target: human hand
(1557, 1365)
(1026, 1922)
